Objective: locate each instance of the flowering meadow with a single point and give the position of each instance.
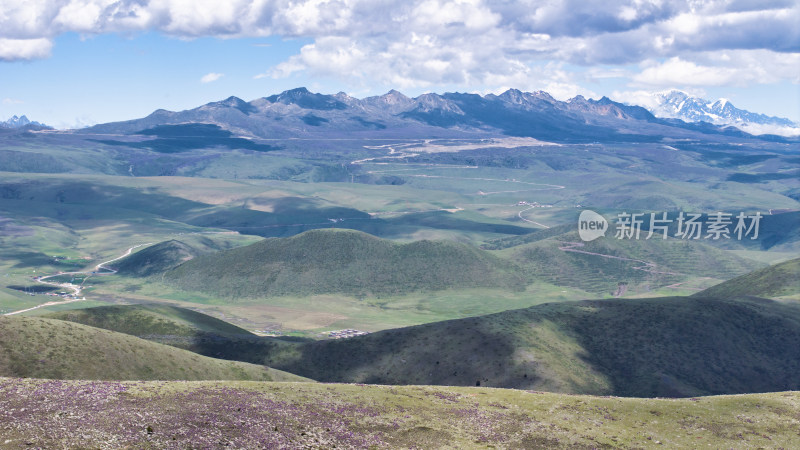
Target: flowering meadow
(154, 414)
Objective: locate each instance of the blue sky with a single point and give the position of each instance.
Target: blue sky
(79, 62)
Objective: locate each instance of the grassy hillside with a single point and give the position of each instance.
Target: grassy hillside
(775, 281)
(342, 261)
(55, 414)
(643, 265)
(536, 236)
(676, 346)
(150, 320)
(156, 259)
(48, 348)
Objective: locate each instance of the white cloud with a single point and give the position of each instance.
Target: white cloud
(754, 128)
(24, 49)
(421, 43)
(211, 77)
(12, 101)
(739, 68)
(676, 71)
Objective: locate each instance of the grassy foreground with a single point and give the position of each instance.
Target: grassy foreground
(71, 414)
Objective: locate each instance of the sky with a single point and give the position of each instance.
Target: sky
(72, 63)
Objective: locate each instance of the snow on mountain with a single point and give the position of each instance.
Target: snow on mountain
(680, 105)
(19, 122)
(299, 112)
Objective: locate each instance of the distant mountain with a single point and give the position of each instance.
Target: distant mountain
(21, 122)
(680, 105)
(301, 113)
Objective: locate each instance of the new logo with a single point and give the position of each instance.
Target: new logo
(591, 225)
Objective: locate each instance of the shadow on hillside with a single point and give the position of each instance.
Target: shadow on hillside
(668, 347)
(465, 352)
(680, 346)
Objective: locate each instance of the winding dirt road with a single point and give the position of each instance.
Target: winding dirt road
(519, 214)
(646, 266)
(99, 269)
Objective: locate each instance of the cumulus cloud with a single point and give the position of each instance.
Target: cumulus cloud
(211, 77)
(676, 71)
(740, 68)
(421, 43)
(23, 49)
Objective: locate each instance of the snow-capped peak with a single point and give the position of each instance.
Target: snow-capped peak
(681, 105)
(19, 122)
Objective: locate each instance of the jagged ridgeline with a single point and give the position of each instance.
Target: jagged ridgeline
(342, 261)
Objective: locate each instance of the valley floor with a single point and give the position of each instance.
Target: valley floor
(81, 414)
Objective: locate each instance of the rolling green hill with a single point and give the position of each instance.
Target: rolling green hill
(342, 261)
(150, 320)
(674, 346)
(642, 264)
(774, 281)
(48, 348)
(156, 259)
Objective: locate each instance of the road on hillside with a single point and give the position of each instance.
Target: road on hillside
(99, 269)
(646, 266)
(519, 214)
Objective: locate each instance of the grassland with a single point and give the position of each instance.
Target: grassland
(343, 261)
(152, 319)
(678, 346)
(156, 259)
(49, 348)
(675, 346)
(69, 202)
(602, 265)
(300, 415)
(779, 280)
(315, 314)
(328, 279)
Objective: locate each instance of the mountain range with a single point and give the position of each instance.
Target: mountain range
(301, 113)
(680, 105)
(21, 122)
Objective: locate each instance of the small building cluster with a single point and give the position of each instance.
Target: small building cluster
(268, 333)
(533, 204)
(344, 334)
